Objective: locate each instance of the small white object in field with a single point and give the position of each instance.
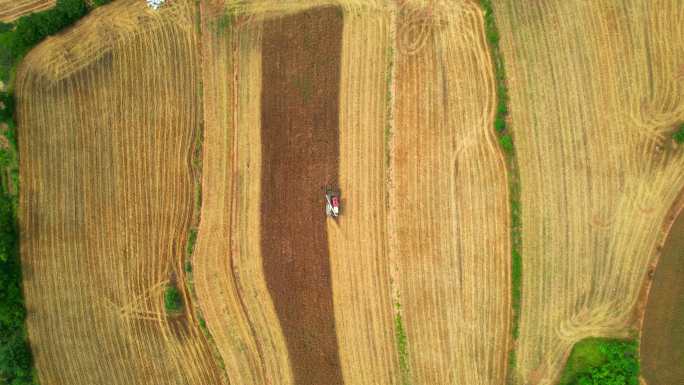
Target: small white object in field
(155, 4)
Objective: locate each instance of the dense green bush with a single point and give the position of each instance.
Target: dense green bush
(15, 354)
(173, 301)
(506, 143)
(596, 361)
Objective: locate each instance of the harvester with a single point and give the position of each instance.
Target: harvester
(332, 202)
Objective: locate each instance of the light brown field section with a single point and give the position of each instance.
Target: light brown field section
(595, 91)
(229, 279)
(359, 256)
(107, 197)
(448, 195)
(299, 132)
(662, 338)
(391, 101)
(11, 10)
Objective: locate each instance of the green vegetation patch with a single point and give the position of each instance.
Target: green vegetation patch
(678, 136)
(402, 347)
(598, 361)
(173, 300)
(507, 144)
(16, 363)
(18, 38)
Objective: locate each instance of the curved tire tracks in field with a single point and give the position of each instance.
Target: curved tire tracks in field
(595, 94)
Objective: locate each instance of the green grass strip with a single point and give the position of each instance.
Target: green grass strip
(507, 144)
(402, 347)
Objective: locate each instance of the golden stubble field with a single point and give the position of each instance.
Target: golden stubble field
(11, 10)
(109, 113)
(596, 89)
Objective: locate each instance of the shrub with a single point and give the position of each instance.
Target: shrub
(502, 108)
(4, 27)
(173, 301)
(506, 143)
(499, 124)
(6, 107)
(602, 361)
(33, 28)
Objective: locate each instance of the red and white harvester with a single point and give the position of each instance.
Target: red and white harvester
(332, 202)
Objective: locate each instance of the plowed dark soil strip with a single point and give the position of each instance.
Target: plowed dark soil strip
(301, 59)
(662, 341)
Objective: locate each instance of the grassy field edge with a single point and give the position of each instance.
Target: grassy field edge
(504, 133)
(17, 39)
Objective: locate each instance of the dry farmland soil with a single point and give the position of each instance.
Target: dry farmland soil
(301, 58)
(662, 343)
(11, 10)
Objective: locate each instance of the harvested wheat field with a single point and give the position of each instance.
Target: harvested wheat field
(393, 103)
(11, 10)
(595, 92)
(373, 255)
(107, 198)
(448, 204)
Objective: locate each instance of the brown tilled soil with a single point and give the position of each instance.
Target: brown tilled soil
(301, 59)
(662, 341)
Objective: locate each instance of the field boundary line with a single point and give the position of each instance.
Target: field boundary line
(504, 133)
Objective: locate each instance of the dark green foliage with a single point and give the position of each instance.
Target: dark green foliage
(6, 107)
(595, 361)
(15, 354)
(499, 124)
(506, 143)
(678, 136)
(4, 27)
(98, 3)
(32, 29)
(173, 301)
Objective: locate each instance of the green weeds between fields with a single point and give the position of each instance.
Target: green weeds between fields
(506, 142)
(402, 346)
